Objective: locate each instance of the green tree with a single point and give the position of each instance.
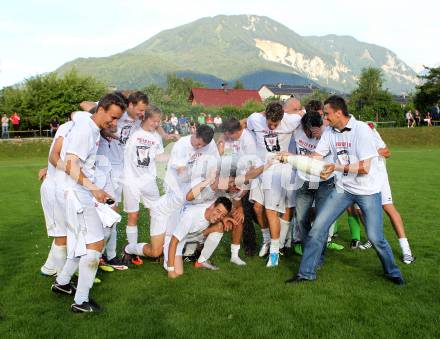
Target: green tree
(428, 94)
(370, 101)
(238, 84)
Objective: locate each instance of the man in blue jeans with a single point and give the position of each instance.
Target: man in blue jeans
(352, 146)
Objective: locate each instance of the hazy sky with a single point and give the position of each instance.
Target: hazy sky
(38, 36)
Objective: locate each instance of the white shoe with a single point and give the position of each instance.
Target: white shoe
(366, 245)
(48, 272)
(264, 250)
(237, 261)
(206, 264)
(273, 260)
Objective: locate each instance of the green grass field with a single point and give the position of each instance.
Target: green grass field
(350, 298)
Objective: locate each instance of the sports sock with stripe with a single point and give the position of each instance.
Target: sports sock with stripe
(88, 265)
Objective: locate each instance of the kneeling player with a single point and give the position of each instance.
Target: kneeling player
(192, 219)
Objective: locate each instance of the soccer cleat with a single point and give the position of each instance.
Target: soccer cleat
(408, 259)
(334, 246)
(104, 266)
(237, 261)
(264, 250)
(355, 244)
(97, 281)
(68, 289)
(117, 264)
(297, 248)
(206, 264)
(366, 245)
(86, 307)
(397, 280)
(272, 261)
(136, 260)
(47, 272)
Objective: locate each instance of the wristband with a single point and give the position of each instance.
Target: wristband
(346, 170)
(170, 268)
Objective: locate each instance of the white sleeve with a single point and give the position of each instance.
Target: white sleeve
(184, 226)
(378, 139)
(159, 149)
(178, 156)
(323, 147)
(250, 122)
(292, 121)
(80, 142)
(365, 143)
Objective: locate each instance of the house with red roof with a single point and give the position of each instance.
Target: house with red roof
(222, 96)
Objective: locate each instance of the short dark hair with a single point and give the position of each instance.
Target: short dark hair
(231, 125)
(311, 119)
(137, 97)
(225, 202)
(122, 95)
(337, 103)
(274, 111)
(205, 133)
(314, 105)
(111, 99)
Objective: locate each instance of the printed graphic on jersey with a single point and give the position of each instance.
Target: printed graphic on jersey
(303, 151)
(272, 143)
(125, 134)
(143, 155)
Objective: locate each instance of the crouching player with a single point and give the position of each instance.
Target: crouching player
(192, 219)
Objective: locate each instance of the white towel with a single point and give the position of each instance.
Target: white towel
(107, 215)
(76, 228)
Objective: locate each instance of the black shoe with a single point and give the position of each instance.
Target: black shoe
(86, 307)
(68, 289)
(296, 280)
(397, 280)
(355, 244)
(126, 258)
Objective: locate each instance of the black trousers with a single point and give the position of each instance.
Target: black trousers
(249, 235)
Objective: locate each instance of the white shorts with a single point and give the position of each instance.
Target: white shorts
(387, 198)
(59, 215)
(148, 194)
(273, 190)
(163, 210)
(47, 195)
(116, 178)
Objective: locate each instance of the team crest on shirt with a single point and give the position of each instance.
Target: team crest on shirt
(272, 143)
(143, 155)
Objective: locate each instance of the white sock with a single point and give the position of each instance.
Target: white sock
(234, 250)
(68, 271)
(404, 245)
(137, 249)
(88, 265)
(110, 247)
(275, 246)
(132, 234)
(284, 228)
(49, 265)
(266, 234)
(211, 243)
(59, 256)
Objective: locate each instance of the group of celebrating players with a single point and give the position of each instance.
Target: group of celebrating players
(107, 155)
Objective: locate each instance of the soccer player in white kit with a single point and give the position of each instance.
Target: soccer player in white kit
(55, 229)
(272, 130)
(85, 240)
(192, 219)
(387, 201)
(142, 151)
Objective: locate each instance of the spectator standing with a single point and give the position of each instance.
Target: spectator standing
(418, 118)
(409, 119)
(210, 121)
(183, 124)
(174, 121)
(15, 119)
(5, 126)
(218, 121)
(428, 119)
(192, 126)
(54, 124)
(201, 119)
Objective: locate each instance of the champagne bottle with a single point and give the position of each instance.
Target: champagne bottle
(305, 164)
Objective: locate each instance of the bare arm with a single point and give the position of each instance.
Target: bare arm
(384, 152)
(361, 167)
(54, 156)
(87, 105)
(171, 256)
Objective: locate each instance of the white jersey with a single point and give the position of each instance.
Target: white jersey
(82, 141)
(208, 195)
(243, 151)
(140, 153)
(126, 126)
(62, 132)
(192, 220)
(306, 146)
(271, 141)
(196, 163)
(349, 147)
(103, 165)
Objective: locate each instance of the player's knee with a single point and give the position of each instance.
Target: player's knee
(156, 251)
(258, 208)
